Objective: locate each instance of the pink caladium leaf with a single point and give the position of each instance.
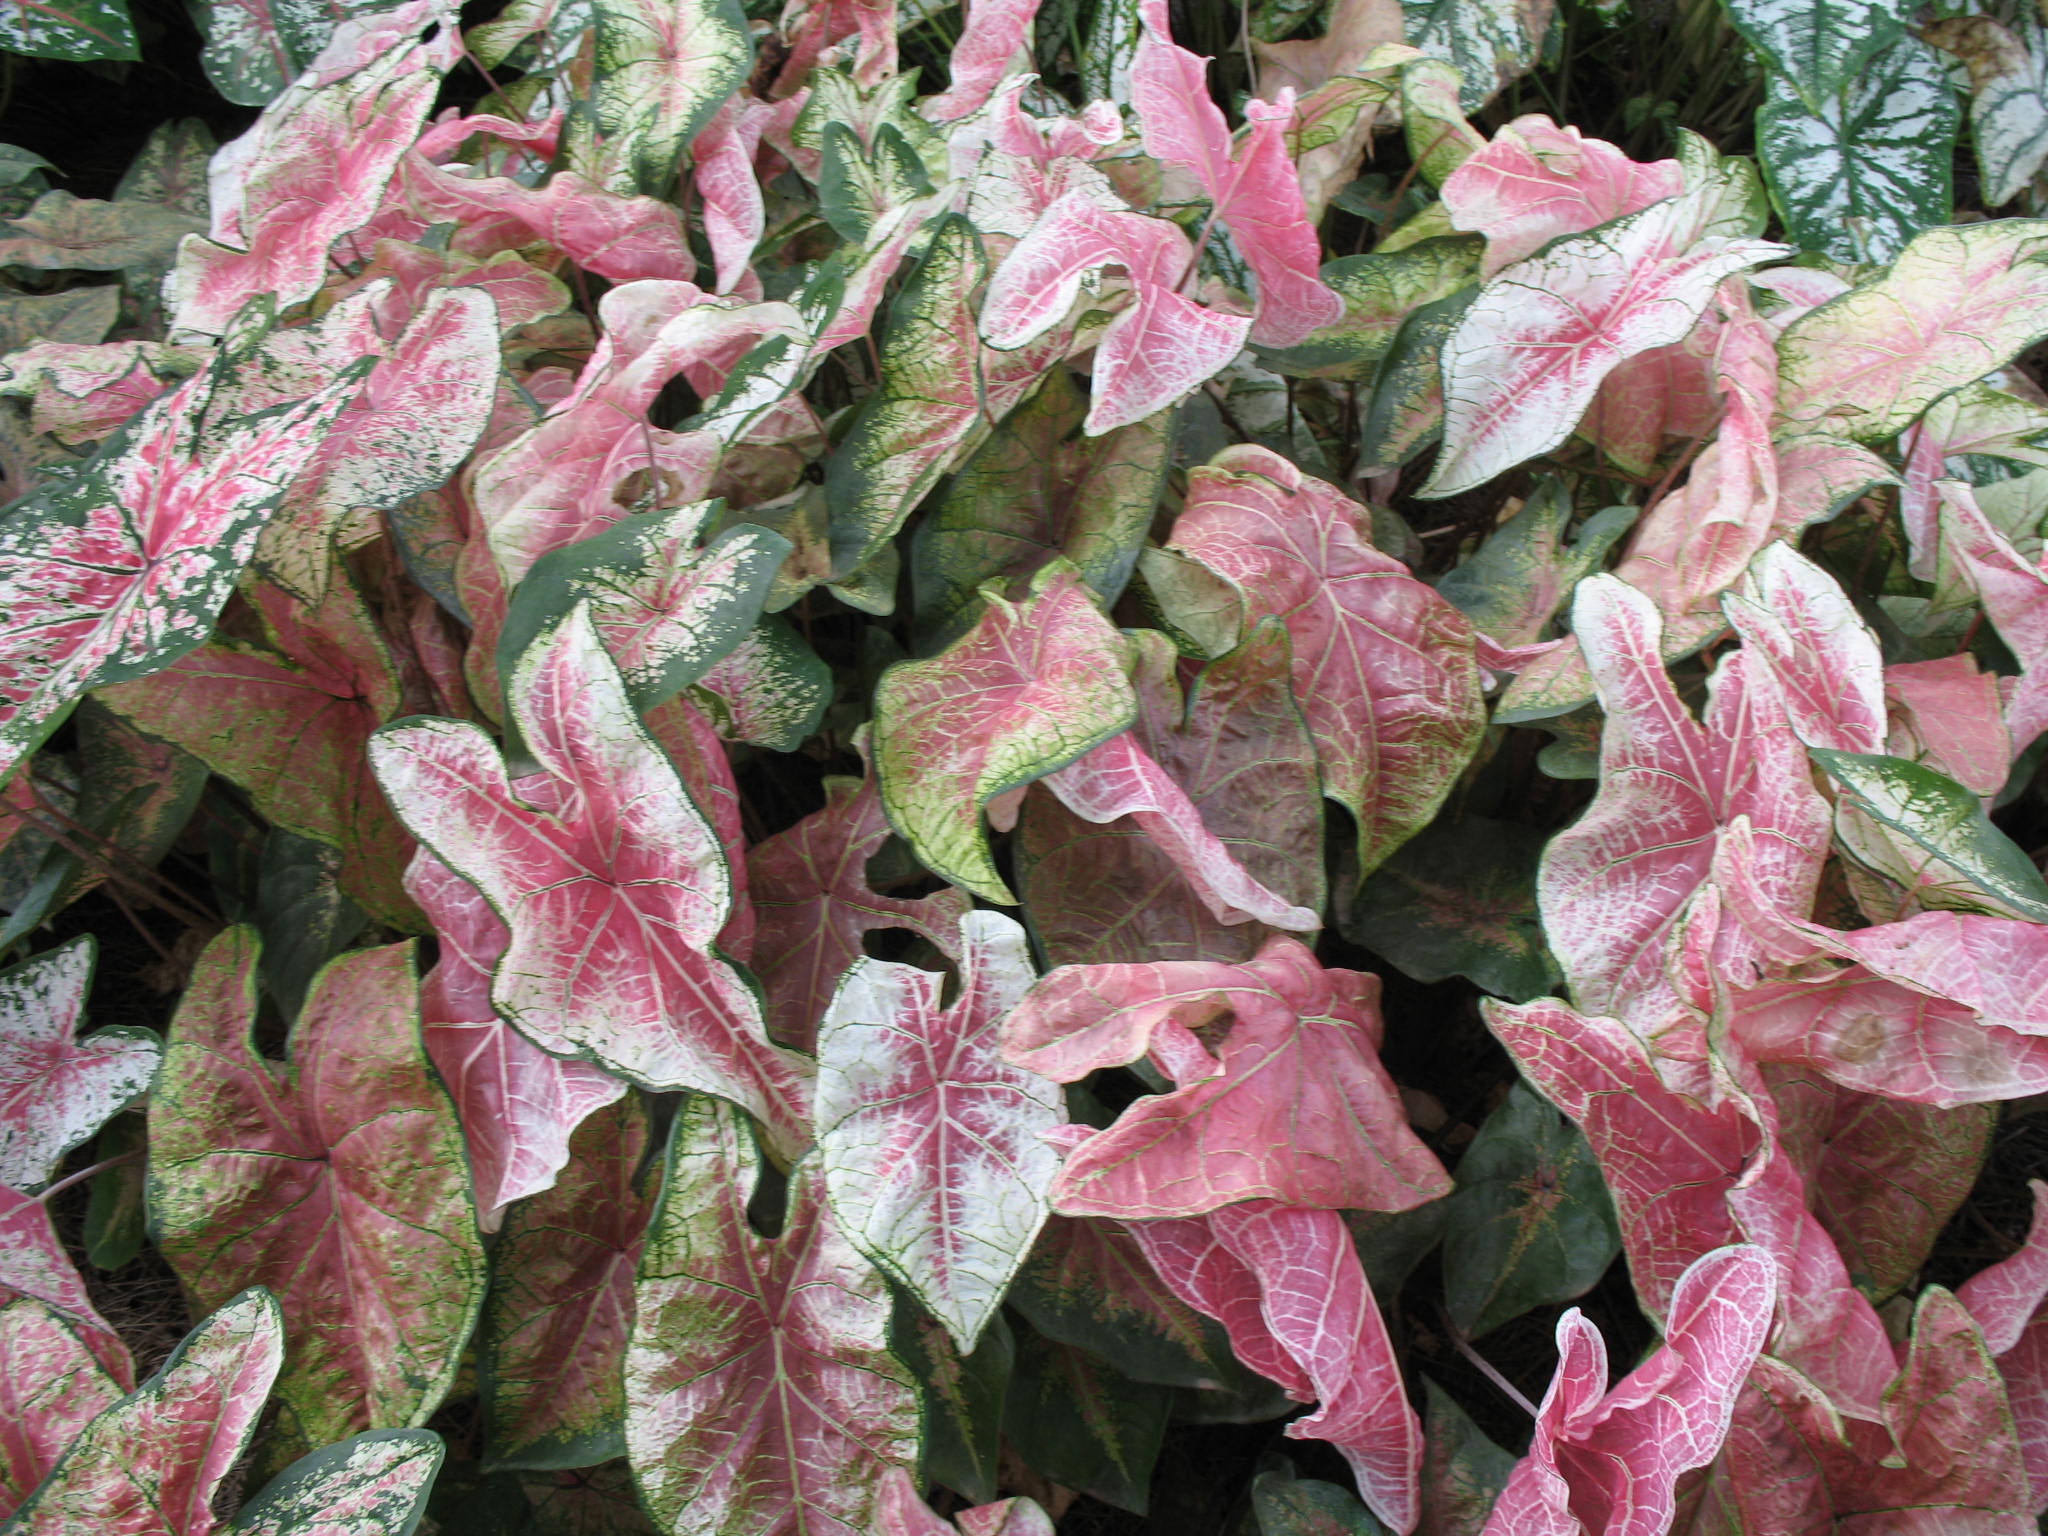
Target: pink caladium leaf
(760, 1392)
(722, 171)
(33, 1264)
(1824, 657)
(1384, 668)
(150, 1464)
(933, 1160)
(57, 1089)
(997, 34)
(604, 844)
(518, 1105)
(51, 1387)
(1536, 181)
(1255, 191)
(337, 1178)
(80, 392)
(290, 723)
(814, 903)
(1529, 354)
(626, 239)
(2014, 591)
(1287, 1283)
(1948, 714)
(1997, 967)
(1613, 886)
(2004, 1297)
(552, 1342)
(1235, 743)
(122, 569)
(1154, 351)
(1668, 1159)
(317, 163)
(899, 1511)
(1294, 1107)
(1033, 686)
(1609, 1461)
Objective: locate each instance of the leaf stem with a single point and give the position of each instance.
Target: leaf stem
(1482, 1365)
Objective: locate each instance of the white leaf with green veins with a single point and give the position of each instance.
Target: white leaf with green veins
(1858, 180)
(1490, 41)
(1819, 46)
(2008, 98)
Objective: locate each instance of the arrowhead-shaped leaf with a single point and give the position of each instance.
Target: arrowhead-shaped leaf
(760, 1392)
(1490, 42)
(337, 1178)
(1529, 353)
(1826, 660)
(930, 1141)
(1955, 305)
(662, 71)
(552, 1343)
(2013, 590)
(604, 844)
(1295, 1106)
(1077, 1422)
(56, 1089)
(51, 1387)
(122, 569)
(1031, 687)
(1383, 667)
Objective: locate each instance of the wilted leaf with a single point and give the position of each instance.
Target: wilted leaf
(56, 1089)
(760, 1394)
(1531, 1223)
(338, 1178)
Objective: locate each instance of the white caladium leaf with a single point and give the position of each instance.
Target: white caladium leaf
(934, 1162)
(1818, 46)
(760, 1392)
(1489, 41)
(1957, 304)
(2008, 98)
(1528, 356)
(1859, 177)
(56, 1089)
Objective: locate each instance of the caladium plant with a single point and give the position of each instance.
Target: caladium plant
(821, 766)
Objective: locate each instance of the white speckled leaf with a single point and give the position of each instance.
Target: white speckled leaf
(373, 1484)
(55, 1089)
(1490, 42)
(1870, 170)
(934, 1164)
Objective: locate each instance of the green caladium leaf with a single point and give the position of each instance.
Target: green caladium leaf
(662, 71)
(77, 315)
(859, 183)
(1818, 46)
(115, 1216)
(1380, 291)
(1076, 1420)
(1515, 582)
(65, 233)
(1038, 490)
(304, 918)
(1530, 1223)
(667, 609)
(963, 1396)
(1948, 852)
(338, 1178)
(170, 168)
(1490, 42)
(1406, 413)
(760, 1393)
(1866, 171)
(1460, 900)
(1287, 1505)
(1029, 689)
(68, 29)
(771, 689)
(1463, 1472)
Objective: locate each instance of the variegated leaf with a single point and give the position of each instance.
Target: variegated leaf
(662, 71)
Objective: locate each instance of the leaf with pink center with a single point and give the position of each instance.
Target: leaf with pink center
(759, 1387)
(1824, 657)
(34, 1264)
(623, 238)
(57, 1089)
(1536, 181)
(1236, 746)
(1294, 1106)
(80, 392)
(722, 175)
(337, 1178)
(603, 844)
(1254, 190)
(1956, 304)
(518, 1105)
(1033, 686)
(2005, 1302)
(316, 167)
(122, 569)
(2014, 592)
(552, 1340)
(1610, 1460)
(374, 1483)
(1614, 885)
(996, 34)
(1996, 967)
(1948, 714)
(51, 1387)
(1530, 352)
(151, 1464)
(1288, 1284)
(1383, 667)
(930, 1141)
